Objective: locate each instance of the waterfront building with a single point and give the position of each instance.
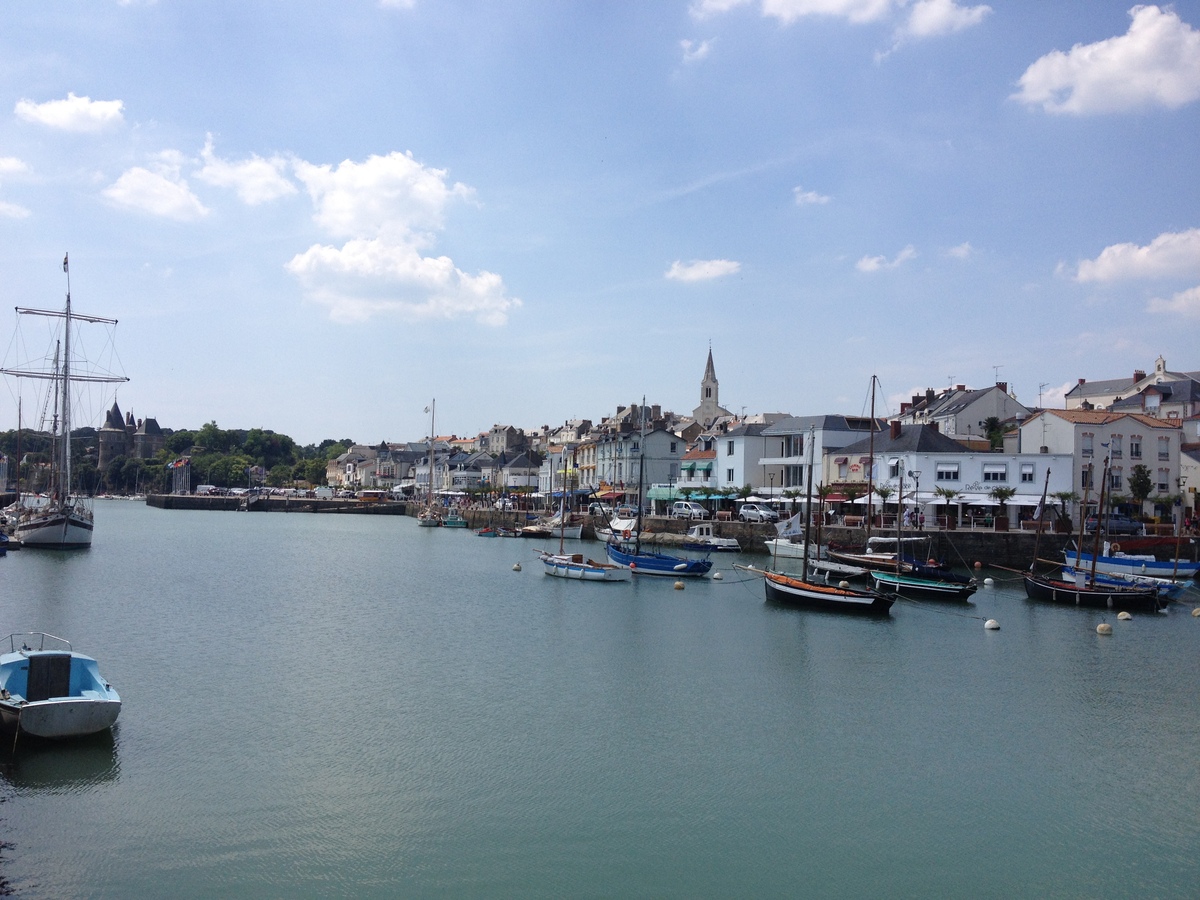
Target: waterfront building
(1127, 440)
(787, 447)
(928, 460)
(961, 413)
(1103, 394)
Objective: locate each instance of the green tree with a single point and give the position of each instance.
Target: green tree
(884, 491)
(180, 442)
(1140, 485)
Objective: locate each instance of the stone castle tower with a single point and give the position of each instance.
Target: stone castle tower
(121, 435)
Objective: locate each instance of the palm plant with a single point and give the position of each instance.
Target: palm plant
(948, 496)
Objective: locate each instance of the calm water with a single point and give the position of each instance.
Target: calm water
(352, 706)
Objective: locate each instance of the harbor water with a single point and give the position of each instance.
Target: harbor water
(324, 706)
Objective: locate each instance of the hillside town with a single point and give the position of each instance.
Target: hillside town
(961, 452)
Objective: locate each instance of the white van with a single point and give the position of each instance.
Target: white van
(687, 509)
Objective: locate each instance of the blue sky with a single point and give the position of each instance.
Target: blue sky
(314, 217)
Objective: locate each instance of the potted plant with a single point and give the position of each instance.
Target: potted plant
(948, 495)
(1002, 495)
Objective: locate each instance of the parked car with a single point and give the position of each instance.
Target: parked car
(505, 503)
(1115, 523)
(603, 510)
(757, 512)
(688, 509)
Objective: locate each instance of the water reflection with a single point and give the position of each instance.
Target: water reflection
(61, 767)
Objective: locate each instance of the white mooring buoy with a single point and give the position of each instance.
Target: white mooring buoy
(1196, 613)
(1124, 616)
(1103, 628)
(991, 625)
(988, 582)
(516, 567)
(717, 576)
(679, 585)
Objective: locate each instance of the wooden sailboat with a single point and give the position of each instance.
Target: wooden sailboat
(574, 565)
(802, 590)
(645, 562)
(61, 519)
(430, 516)
(1085, 589)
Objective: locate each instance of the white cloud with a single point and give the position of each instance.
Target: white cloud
(1185, 303)
(933, 18)
(12, 210)
(10, 165)
(256, 180)
(962, 251)
(857, 11)
(702, 9)
(693, 52)
(701, 269)
(788, 11)
(805, 198)
(159, 192)
(368, 276)
(72, 114)
(392, 192)
(1156, 63)
(1171, 253)
(876, 263)
(389, 209)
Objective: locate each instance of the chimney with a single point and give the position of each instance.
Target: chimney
(1003, 385)
(1138, 375)
(895, 431)
(905, 407)
(960, 387)
(656, 411)
(929, 395)
(1083, 381)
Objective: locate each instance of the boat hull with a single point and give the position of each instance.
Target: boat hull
(788, 591)
(922, 588)
(576, 568)
(1049, 590)
(1133, 565)
(60, 718)
(55, 530)
(658, 563)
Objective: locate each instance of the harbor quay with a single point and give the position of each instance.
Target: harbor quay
(960, 548)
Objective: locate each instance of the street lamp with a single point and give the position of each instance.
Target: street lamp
(772, 492)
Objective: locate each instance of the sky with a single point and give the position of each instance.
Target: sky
(315, 217)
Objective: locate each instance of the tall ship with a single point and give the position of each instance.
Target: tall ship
(58, 516)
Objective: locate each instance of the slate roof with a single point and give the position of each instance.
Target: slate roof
(912, 439)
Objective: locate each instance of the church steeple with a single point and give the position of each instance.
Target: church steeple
(710, 407)
(709, 386)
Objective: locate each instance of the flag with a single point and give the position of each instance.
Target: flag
(64, 262)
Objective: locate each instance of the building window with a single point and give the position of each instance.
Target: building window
(946, 472)
(1026, 473)
(1116, 449)
(1164, 480)
(1086, 443)
(1085, 482)
(1164, 448)
(634, 447)
(729, 448)
(995, 473)
(1135, 446)
(673, 448)
(895, 467)
(843, 466)
(1114, 480)
(729, 476)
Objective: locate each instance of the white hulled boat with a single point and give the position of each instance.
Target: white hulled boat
(59, 518)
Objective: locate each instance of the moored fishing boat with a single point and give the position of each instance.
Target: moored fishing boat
(794, 591)
(701, 537)
(49, 691)
(907, 584)
(1111, 560)
(576, 567)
